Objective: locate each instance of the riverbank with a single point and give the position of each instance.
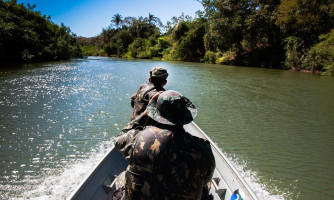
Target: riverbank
(317, 72)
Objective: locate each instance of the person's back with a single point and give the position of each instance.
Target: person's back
(169, 163)
(165, 161)
(146, 91)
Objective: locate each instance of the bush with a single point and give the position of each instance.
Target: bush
(110, 49)
(321, 56)
(102, 53)
(226, 58)
(210, 57)
(122, 40)
(136, 47)
(89, 50)
(294, 51)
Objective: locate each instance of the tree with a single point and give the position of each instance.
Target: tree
(117, 20)
(153, 20)
(321, 56)
(302, 22)
(306, 19)
(188, 41)
(227, 23)
(27, 35)
(263, 36)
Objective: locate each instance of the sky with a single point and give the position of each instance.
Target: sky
(87, 17)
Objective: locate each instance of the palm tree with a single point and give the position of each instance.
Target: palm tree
(117, 19)
(129, 20)
(151, 18)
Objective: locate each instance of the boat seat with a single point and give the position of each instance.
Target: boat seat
(112, 187)
(218, 186)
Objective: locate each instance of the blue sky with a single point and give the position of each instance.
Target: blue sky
(88, 17)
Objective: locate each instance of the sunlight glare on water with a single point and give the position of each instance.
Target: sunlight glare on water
(57, 120)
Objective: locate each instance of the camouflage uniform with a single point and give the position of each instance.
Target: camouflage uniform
(146, 91)
(125, 139)
(165, 161)
(140, 99)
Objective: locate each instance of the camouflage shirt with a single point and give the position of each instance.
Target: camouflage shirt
(140, 99)
(127, 136)
(166, 163)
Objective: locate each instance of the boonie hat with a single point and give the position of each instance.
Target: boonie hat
(171, 108)
(159, 72)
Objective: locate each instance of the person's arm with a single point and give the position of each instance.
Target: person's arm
(210, 167)
(124, 143)
(133, 97)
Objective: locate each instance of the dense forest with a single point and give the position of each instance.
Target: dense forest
(283, 34)
(28, 36)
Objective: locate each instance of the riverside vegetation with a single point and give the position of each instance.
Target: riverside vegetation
(28, 36)
(282, 34)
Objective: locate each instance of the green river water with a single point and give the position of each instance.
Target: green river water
(57, 120)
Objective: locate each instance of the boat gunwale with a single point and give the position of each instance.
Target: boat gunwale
(230, 165)
(91, 173)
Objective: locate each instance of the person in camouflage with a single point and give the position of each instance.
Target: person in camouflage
(166, 162)
(146, 91)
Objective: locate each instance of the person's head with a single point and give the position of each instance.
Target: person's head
(158, 76)
(171, 108)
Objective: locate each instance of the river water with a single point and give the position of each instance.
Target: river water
(57, 120)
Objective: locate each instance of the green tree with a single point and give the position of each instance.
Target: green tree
(306, 19)
(153, 20)
(321, 56)
(121, 41)
(227, 23)
(263, 38)
(117, 20)
(188, 43)
(302, 21)
(26, 35)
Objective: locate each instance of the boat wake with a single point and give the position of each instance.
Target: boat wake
(61, 184)
(252, 179)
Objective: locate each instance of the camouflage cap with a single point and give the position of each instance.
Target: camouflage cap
(172, 108)
(159, 72)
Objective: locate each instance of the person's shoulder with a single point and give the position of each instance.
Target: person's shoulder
(143, 85)
(198, 140)
(156, 133)
(203, 144)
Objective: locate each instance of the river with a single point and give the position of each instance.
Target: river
(58, 119)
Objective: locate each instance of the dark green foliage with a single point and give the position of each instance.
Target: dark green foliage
(265, 33)
(210, 57)
(26, 35)
(191, 46)
(121, 41)
(138, 49)
(136, 38)
(180, 31)
(321, 56)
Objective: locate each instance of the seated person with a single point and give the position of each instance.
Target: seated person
(146, 91)
(166, 162)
